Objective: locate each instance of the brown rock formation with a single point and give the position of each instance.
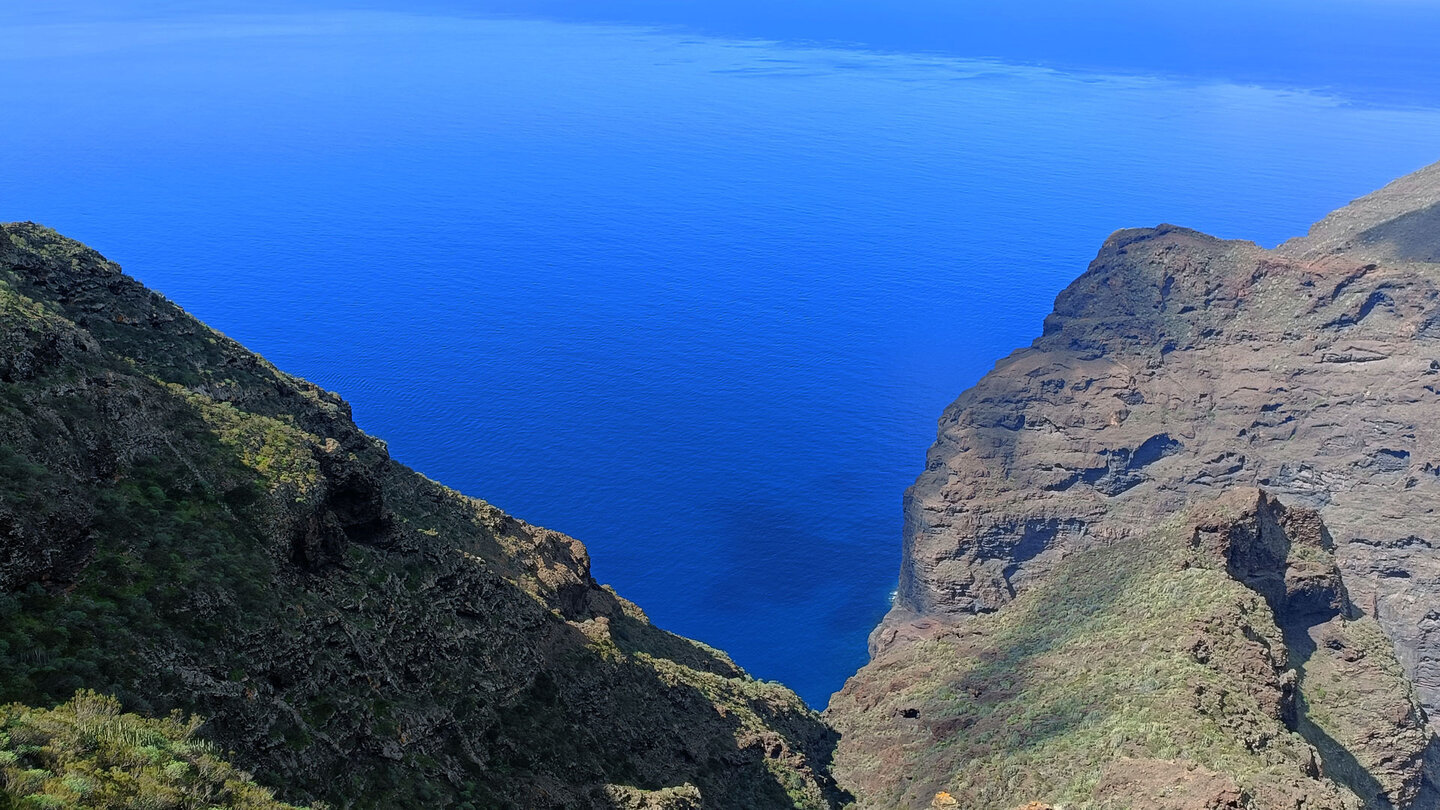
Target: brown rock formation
(1180, 366)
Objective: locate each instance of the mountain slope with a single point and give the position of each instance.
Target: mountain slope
(184, 526)
(1178, 368)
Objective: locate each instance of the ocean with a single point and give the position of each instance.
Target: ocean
(694, 294)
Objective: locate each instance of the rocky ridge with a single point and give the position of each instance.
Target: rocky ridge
(1178, 368)
(186, 527)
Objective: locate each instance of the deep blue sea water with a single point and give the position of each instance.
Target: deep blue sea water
(696, 300)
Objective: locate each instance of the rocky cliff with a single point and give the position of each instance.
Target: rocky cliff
(1068, 593)
(1179, 553)
(186, 527)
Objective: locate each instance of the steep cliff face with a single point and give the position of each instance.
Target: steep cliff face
(1177, 368)
(184, 526)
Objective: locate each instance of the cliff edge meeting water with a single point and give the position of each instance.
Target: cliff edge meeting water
(688, 281)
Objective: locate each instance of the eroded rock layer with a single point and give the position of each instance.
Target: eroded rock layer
(1177, 368)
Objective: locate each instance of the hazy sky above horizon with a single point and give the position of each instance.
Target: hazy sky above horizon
(1372, 50)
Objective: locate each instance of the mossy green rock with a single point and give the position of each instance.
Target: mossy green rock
(186, 527)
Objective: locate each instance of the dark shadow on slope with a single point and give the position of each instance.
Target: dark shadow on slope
(1412, 237)
(397, 675)
(250, 557)
(646, 727)
(1429, 795)
(1302, 596)
(1336, 761)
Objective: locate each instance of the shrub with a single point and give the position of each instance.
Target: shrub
(86, 753)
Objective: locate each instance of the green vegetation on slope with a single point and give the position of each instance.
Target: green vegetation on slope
(1137, 667)
(1091, 666)
(189, 528)
(86, 754)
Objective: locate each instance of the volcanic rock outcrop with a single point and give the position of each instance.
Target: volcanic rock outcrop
(1177, 369)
